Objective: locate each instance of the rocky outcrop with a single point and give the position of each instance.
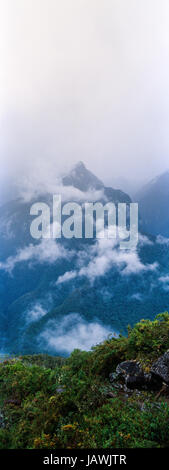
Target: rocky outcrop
(12, 402)
(2, 420)
(60, 390)
(160, 368)
(129, 375)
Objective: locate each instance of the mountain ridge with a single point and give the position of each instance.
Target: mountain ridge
(153, 205)
(94, 282)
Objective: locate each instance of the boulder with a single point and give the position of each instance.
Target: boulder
(132, 368)
(129, 375)
(143, 382)
(60, 390)
(12, 402)
(160, 368)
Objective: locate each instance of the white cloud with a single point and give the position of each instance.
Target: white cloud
(165, 282)
(102, 256)
(137, 296)
(144, 240)
(47, 251)
(128, 263)
(162, 240)
(106, 254)
(73, 332)
(68, 276)
(6, 227)
(35, 313)
(39, 184)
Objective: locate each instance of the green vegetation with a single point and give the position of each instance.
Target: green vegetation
(51, 402)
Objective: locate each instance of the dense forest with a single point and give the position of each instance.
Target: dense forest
(54, 402)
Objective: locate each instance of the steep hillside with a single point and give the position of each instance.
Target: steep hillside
(115, 396)
(55, 292)
(153, 205)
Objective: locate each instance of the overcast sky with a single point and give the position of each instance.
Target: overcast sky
(84, 80)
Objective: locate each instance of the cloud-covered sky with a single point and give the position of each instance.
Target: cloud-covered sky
(84, 80)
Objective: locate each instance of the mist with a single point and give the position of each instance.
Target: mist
(74, 332)
(83, 80)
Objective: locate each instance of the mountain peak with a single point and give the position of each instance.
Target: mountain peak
(81, 178)
(79, 165)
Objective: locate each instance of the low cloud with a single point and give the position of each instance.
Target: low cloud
(28, 189)
(96, 262)
(74, 332)
(35, 313)
(107, 254)
(165, 282)
(6, 231)
(162, 240)
(68, 276)
(126, 262)
(137, 296)
(144, 240)
(48, 251)
(103, 256)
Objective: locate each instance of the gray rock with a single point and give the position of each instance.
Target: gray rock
(129, 376)
(12, 402)
(132, 368)
(133, 382)
(110, 395)
(2, 422)
(60, 390)
(160, 368)
(113, 376)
